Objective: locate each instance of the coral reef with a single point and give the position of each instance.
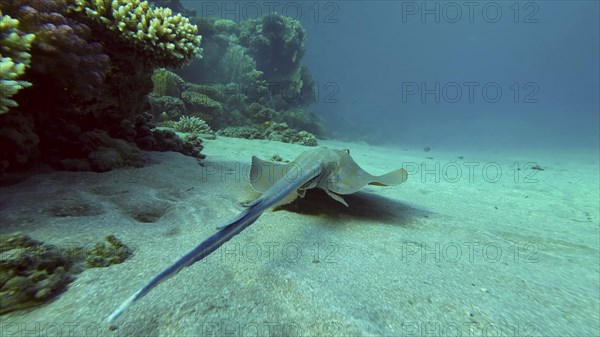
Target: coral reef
(236, 63)
(301, 120)
(259, 114)
(257, 61)
(106, 254)
(222, 107)
(168, 141)
(156, 35)
(275, 131)
(227, 26)
(18, 140)
(191, 124)
(277, 44)
(166, 83)
(61, 46)
(247, 132)
(106, 153)
(14, 60)
(175, 5)
(91, 67)
(280, 132)
(165, 108)
(32, 272)
(153, 139)
(198, 102)
(213, 91)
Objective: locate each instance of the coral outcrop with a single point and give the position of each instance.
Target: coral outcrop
(224, 109)
(201, 103)
(166, 83)
(166, 108)
(259, 114)
(273, 131)
(105, 254)
(262, 56)
(90, 69)
(154, 34)
(191, 124)
(299, 119)
(14, 60)
(175, 5)
(277, 44)
(34, 272)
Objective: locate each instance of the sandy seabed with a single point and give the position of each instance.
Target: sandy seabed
(481, 245)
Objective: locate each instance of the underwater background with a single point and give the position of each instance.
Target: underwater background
(499, 74)
(128, 131)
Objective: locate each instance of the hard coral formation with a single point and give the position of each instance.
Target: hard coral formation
(204, 107)
(259, 114)
(192, 124)
(165, 108)
(91, 63)
(219, 107)
(166, 83)
(281, 133)
(227, 26)
(62, 46)
(213, 91)
(277, 44)
(104, 255)
(14, 60)
(32, 272)
(166, 140)
(201, 103)
(301, 120)
(106, 153)
(247, 132)
(275, 131)
(255, 61)
(175, 5)
(159, 37)
(263, 56)
(18, 140)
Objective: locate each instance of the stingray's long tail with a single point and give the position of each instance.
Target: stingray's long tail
(277, 192)
(238, 224)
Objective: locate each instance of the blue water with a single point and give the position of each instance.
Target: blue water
(498, 74)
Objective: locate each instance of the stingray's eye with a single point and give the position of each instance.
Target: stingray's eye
(347, 151)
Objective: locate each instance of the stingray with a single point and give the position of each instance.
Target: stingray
(333, 171)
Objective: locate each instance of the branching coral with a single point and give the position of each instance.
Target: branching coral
(192, 125)
(14, 60)
(167, 83)
(175, 5)
(201, 103)
(90, 68)
(162, 38)
(62, 52)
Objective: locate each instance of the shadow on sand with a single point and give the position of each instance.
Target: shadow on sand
(362, 205)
